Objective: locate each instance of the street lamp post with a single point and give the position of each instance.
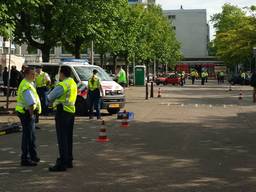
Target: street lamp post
(9, 73)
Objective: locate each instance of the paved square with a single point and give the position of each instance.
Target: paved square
(193, 139)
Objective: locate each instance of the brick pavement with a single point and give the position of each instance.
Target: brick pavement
(193, 139)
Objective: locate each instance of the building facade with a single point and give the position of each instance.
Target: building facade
(192, 31)
(142, 1)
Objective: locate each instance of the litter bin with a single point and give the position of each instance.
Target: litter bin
(140, 74)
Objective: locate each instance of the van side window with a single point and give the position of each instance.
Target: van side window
(73, 75)
(52, 71)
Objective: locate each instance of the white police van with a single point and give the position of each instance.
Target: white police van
(112, 100)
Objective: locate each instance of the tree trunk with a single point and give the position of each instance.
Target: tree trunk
(101, 60)
(104, 61)
(127, 70)
(114, 63)
(46, 54)
(77, 49)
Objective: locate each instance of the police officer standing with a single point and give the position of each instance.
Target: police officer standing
(42, 82)
(193, 76)
(203, 77)
(64, 98)
(28, 103)
(94, 90)
(121, 76)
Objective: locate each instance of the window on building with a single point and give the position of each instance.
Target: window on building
(172, 17)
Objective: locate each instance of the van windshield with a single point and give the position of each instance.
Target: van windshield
(85, 73)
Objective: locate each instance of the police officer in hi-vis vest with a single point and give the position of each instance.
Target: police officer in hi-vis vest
(42, 82)
(63, 97)
(28, 104)
(94, 90)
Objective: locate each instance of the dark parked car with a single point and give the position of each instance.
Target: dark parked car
(237, 80)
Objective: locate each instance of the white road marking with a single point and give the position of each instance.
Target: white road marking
(12, 152)
(26, 171)
(6, 149)
(4, 174)
(43, 145)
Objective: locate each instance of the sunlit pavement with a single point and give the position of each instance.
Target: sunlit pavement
(192, 139)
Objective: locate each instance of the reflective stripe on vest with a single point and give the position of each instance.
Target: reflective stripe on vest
(21, 103)
(40, 80)
(68, 99)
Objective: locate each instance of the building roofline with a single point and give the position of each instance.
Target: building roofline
(185, 10)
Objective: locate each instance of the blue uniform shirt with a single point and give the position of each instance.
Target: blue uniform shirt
(55, 93)
(29, 97)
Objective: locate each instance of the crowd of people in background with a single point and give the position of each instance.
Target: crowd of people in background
(15, 79)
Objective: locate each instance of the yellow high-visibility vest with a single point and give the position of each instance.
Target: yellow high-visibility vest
(93, 83)
(41, 80)
(68, 98)
(21, 104)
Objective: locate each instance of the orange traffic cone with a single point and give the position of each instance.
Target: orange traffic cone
(125, 122)
(240, 95)
(103, 138)
(159, 93)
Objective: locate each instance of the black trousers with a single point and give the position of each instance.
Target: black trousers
(28, 143)
(42, 93)
(64, 129)
(203, 81)
(193, 80)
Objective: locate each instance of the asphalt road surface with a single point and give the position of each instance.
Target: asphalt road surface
(192, 139)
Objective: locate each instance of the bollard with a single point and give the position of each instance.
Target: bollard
(146, 91)
(152, 90)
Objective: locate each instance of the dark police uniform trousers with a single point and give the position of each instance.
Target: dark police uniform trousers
(28, 146)
(64, 129)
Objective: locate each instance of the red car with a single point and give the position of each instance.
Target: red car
(160, 80)
(173, 79)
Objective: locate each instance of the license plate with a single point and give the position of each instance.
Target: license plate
(114, 106)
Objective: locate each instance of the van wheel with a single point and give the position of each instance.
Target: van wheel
(113, 111)
(81, 106)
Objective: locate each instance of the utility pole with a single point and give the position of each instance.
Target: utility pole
(92, 53)
(9, 71)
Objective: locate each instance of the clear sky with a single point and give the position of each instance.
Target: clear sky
(212, 6)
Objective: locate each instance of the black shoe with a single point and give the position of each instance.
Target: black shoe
(28, 163)
(36, 159)
(38, 128)
(91, 117)
(69, 165)
(57, 168)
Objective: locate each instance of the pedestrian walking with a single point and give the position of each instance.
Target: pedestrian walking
(5, 80)
(42, 82)
(94, 90)
(121, 76)
(28, 104)
(64, 98)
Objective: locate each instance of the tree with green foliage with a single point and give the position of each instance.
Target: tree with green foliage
(235, 35)
(38, 23)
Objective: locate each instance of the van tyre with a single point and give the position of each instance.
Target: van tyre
(113, 111)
